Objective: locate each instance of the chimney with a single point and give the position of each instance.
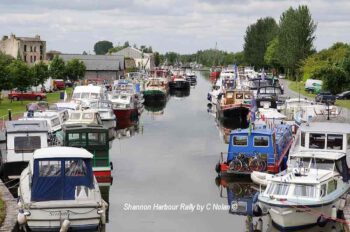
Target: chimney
(37, 37)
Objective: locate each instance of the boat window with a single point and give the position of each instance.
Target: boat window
(305, 191)
(302, 139)
(239, 96)
(323, 190)
(332, 185)
(76, 139)
(84, 95)
(76, 95)
(49, 168)
(247, 96)
(75, 116)
(88, 116)
(335, 142)
(323, 164)
(27, 144)
(55, 122)
(75, 167)
(97, 138)
(261, 141)
(240, 140)
(317, 141)
(278, 189)
(94, 96)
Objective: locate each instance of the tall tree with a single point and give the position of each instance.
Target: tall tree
(57, 68)
(256, 40)
(295, 37)
(102, 47)
(271, 57)
(156, 59)
(40, 73)
(5, 60)
(19, 75)
(75, 69)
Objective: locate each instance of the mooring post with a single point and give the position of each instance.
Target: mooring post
(10, 114)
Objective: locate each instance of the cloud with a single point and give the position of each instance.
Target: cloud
(166, 25)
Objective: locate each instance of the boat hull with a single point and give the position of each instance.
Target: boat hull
(126, 114)
(154, 96)
(111, 125)
(179, 85)
(233, 111)
(12, 170)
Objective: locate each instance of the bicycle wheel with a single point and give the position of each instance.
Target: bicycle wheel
(256, 165)
(236, 165)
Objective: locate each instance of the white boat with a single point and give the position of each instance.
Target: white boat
(22, 138)
(316, 179)
(59, 191)
(89, 116)
(53, 119)
(88, 92)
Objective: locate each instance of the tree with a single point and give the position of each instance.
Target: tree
(19, 75)
(75, 69)
(126, 44)
(334, 78)
(270, 57)
(156, 59)
(256, 40)
(40, 73)
(295, 37)
(5, 60)
(102, 47)
(57, 68)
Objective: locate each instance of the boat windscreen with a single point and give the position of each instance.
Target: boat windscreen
(57, 179)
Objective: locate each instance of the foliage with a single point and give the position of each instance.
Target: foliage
(144, 49)
(156, 59)
(5, 60)
(40, 73)
(57, 68)
(295, 37)
(19, 75)
(334, 78)
(256, 40)
(335, 55)
(75, 69)
(270, 57)
(102, 47)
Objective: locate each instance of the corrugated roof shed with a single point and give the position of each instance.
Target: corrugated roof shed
(98, 62)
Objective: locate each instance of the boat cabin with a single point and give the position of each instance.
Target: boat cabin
(88, 92)
(84, 117)
(23, 137)
(236, 97)
(93, 138)
(268, 146)
(58, 173)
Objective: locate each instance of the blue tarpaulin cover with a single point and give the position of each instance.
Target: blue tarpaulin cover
(55, 184)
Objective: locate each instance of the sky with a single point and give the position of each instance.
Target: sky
(183, 26)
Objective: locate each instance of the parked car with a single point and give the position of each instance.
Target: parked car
(59, 84)
(68, 83)
(313, 86)
(282, 76)
(344, 95)
(26, 95)
(325, 97)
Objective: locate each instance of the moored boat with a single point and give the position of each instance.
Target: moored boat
(58, 191)
(156, 89)
(124, 107)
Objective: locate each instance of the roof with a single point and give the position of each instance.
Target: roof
(61, 152)
(36, 39)
(326, 127)
(132, 53)
(98, 62)
(84, 127)
(88, 89)
(26, 126)
(327, 155)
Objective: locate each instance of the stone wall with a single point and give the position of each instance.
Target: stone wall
(10, 221)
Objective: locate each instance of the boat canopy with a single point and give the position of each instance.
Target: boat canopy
(58, 171)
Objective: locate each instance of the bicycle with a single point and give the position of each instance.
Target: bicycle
(257, 163)
(239, 163)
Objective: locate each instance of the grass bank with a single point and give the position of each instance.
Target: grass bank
(2, 210)
(18, 107)
(295, 87)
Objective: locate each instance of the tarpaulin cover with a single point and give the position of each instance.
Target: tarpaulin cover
(51, 182)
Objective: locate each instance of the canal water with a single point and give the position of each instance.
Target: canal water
(169, 159)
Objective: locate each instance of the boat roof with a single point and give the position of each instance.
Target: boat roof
(313, 176)
(326, 127)
(26, 126)
(83, 127)
(327, 155)
(61, 152)
(88, 88)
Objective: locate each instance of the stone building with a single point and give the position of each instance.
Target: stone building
(29, 49)
(99, 67)
(142, 60)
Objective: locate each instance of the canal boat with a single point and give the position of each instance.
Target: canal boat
(108, 118)
(23, 137)
(215, 72)
(179, 82)
(93, 138)
(89, 116)
(88, 92)
(54, 120)
(269, 96)
(260, 148)
(58, 192)
(156, 90)
(316, 179)
(191, 78)
(234, 103)
(125, 106)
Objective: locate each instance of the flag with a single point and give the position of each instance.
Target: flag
(236, 71)
(65, 96)
(250, 128)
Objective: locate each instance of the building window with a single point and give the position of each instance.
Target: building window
(34, 48)
(25, 48)
(41, 57)
(34, 58)
(41, 49)
(31, 59)
(25, 58)
(31, 48)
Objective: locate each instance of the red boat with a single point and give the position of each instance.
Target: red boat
(125, 108)
(215, 72)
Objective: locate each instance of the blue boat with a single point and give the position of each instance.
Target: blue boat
(257, 148)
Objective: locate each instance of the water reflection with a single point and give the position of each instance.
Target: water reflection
(156, 107)
(225, 127)
(180, 93)
(129, 131)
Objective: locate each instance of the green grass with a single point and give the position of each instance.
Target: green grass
(2, 211)
(294, 86)
(18, 107)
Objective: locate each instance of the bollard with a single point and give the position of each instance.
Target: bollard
(10, 114)
(334, 213)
